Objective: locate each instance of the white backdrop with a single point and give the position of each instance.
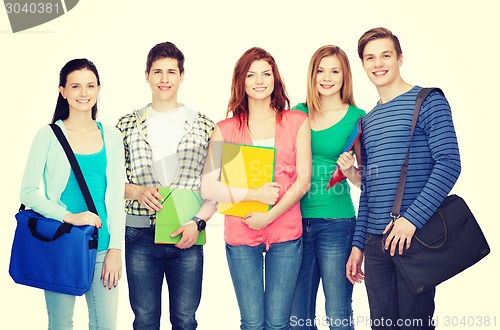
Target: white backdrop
(445, 43)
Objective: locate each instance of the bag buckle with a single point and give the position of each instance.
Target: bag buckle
(394, 216)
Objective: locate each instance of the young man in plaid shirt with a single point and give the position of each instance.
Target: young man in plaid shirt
(165, 145)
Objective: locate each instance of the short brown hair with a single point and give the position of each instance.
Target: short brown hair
(165, 50)
(378, 33)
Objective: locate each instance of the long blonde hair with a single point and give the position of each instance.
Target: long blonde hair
(313, 101)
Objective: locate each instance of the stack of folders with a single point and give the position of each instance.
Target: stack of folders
(246, 166)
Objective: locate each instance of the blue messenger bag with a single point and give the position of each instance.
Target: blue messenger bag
(53, 255)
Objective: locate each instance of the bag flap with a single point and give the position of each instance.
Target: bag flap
(454, 211)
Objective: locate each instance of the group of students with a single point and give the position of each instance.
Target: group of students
(278, 258)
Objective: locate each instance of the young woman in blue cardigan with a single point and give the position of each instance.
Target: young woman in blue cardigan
(99, 151)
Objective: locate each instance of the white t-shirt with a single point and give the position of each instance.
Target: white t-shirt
(263, 142)
(165, 130)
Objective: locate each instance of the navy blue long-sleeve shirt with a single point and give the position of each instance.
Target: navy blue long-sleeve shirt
(434, 164)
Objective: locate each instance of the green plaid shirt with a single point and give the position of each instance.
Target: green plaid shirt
(191, 152)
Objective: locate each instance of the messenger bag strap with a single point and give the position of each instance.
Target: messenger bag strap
(93, 244)
(76, 168)
(396, 208)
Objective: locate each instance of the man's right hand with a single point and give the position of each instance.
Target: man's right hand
(150, 198)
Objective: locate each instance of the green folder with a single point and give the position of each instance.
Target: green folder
(179, 206)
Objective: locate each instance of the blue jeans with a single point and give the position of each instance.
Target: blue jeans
(147, 265)
(102, 304)
(264, 282)
(392, 305)
(327, 245)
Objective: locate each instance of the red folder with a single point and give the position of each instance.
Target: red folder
(337, 175)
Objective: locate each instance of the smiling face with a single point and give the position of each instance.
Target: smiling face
(81, 90)
(259, 82)
(164, 78)
(329, 76)
(381, 62)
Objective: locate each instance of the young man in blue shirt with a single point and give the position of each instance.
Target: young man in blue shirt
(434, 167)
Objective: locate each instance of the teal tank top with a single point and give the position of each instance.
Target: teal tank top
(93, 167)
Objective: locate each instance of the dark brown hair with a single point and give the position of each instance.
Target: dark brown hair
(165, 50)
(62, 105)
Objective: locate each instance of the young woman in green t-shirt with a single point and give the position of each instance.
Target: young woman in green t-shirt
(328, 215)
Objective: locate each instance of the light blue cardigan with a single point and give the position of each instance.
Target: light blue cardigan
(47, 162)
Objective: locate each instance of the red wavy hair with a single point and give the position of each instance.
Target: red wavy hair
(238, 103)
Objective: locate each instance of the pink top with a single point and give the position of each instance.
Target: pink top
(288, 226)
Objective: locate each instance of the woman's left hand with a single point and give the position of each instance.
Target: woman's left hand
(257, 220)
(112, 268)
(345, 161)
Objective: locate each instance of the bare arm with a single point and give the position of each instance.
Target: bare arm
(213, 189)
(299, 188)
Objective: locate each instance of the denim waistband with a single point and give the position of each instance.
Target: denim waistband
(329, 219)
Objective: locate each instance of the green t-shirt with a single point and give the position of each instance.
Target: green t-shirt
(327, 145)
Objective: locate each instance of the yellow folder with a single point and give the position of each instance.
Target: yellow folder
(179, 206)
(246, 166)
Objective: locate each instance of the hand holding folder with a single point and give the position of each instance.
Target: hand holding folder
(337, 175)
(179, 206)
